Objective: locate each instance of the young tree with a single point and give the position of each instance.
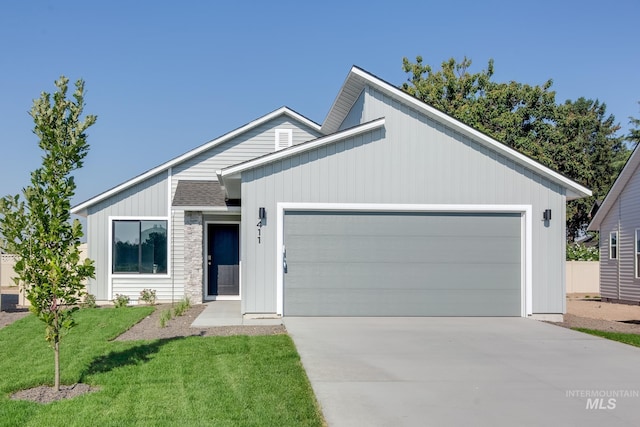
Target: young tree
(39, 229)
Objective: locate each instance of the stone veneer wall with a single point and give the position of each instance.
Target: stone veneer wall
(193, 261)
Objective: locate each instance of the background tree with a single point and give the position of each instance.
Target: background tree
(39, 229)
(634, 133)
(577, 139)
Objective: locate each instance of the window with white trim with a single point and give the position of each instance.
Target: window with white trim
(613, 245)
(637, 252)
(140, 246)
(284, 138)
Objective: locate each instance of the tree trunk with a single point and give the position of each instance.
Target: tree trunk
(56, 352)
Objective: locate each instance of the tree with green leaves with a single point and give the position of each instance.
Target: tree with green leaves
(577, 138)
(634, 132)
(38, 229)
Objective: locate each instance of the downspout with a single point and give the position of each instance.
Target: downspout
(619, 246)
(173, 264)
(618, 257)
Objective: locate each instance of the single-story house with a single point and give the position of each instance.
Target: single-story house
(389, 208)
(618, 221)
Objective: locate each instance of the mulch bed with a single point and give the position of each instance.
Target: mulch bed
(46, 394)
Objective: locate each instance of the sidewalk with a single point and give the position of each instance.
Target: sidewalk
(227, 313)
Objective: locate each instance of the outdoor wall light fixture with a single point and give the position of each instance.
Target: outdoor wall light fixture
(546, 215)
(262, 214)
(262, 217)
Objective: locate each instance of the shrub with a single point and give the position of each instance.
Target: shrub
(165, 316)
(148, 296)
(120, 301)
(182, 307)
(578, 252)
(89, 301)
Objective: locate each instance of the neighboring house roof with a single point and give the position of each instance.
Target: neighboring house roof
(625, 175)
(194, 194)
(359, 78)
(81, 208)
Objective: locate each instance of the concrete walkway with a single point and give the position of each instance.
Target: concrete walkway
(466, 371)
(227, 313)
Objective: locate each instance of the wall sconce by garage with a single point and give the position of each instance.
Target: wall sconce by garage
(546, 215)
(262, 219)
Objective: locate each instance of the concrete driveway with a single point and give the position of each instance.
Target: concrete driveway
(466, 371)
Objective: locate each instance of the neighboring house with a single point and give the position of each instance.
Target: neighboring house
(390, 208)
(618, 221)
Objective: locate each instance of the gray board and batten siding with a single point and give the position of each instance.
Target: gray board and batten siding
(150, 198)
(618, 276)
(413, 159)
(147, 199)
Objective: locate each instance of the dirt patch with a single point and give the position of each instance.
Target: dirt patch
(591, 313)
(149, 327)
(46, 394)
(9, 309)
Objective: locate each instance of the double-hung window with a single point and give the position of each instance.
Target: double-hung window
(140, 246)
(613, 245)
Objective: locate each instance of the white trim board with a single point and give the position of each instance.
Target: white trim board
(526, 291)
(358, 78)
(300, 148)
(111, 275)
(80, 208)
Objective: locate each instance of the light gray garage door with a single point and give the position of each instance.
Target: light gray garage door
(402, 264)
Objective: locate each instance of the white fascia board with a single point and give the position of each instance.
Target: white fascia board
(616, 189)
(526, 303)
(575, 190)
(81, 208)
(301, 148)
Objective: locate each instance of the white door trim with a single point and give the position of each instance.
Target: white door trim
(526, 306)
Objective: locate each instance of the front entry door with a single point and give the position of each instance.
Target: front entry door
(223, 259)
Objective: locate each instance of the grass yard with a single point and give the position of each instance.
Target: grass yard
(632, 339)
(194, 381)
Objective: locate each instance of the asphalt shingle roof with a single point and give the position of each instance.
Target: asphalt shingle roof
(201, 193)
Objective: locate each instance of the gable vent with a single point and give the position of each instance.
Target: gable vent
(284, 138)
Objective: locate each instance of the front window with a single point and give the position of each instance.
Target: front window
(613, 245)
(140, 247)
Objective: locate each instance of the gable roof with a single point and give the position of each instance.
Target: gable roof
(81, 208)
(616, 189)
(230, 176)
(358, 79)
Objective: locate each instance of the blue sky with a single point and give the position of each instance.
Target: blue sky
(165, 77)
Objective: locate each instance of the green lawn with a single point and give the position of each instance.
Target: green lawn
(194, 381)
(632, 339)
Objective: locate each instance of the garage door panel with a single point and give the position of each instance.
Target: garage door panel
(402, 264)
(359, 302)
(401, 276)
(400, 249)
(405, 224)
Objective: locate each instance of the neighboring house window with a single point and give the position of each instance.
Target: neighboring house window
(284, 138)
(140, 246)
(613, 245)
